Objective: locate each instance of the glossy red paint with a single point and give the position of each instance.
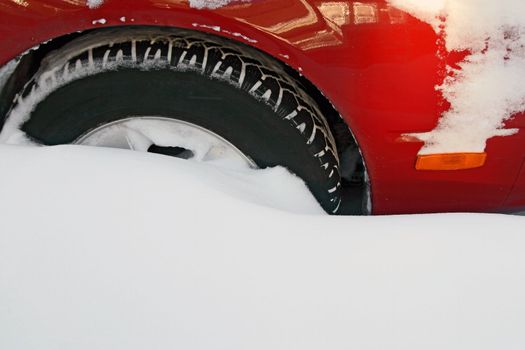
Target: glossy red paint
(378, 66)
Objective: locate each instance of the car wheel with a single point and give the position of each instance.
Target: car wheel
(184, 94)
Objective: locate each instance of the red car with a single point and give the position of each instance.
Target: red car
(329, 89)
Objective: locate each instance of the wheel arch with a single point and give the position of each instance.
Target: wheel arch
(289, 31)
(293, 32)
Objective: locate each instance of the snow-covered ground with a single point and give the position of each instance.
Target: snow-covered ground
(112, 249)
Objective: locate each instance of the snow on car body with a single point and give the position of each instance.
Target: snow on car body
(373, 64)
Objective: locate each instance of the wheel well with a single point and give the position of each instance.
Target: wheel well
(356, 187)
(350, 156)
(28, 64)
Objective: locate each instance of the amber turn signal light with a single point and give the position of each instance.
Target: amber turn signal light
(451, 161)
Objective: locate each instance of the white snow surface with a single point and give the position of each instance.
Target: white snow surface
(93, 4)
(111, 249)
(6, 71)
(489, 88)
(212, 4)
(99, 21)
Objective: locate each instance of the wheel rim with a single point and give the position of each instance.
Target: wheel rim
(167, 136)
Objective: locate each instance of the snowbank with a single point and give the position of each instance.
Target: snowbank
(489, 89)
(109, 249)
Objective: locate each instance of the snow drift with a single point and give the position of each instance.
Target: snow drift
(111, 249)
(489, 88)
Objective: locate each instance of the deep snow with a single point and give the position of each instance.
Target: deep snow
(112, 249)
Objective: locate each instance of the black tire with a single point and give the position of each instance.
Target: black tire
(226, 87)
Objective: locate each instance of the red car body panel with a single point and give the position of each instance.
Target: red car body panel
(378, 67)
